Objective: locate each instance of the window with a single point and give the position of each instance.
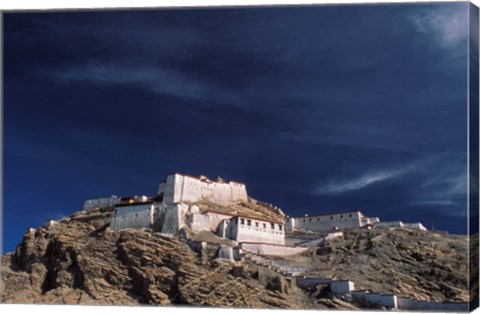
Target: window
(341, 216)
(265, 226)
(256, 224)
(331, 217)
(309, 219)
(304, 220)
(280, 227)
(249, 222)
(288, 219)
(272, 225)
(242, 221)
(318, 218)
(349, 215)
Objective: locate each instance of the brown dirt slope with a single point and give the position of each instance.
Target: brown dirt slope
(426, 265)
(252, 208)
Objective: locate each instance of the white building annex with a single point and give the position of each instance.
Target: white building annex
(329, 221)
(254, 230)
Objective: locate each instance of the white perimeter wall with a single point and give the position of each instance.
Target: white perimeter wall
(389, 301)
(208, 221)
(412, 304)
(388, 224)
(180, 188)
(327, 222)
(341, 286)
(304, 282)
(101, 202)
(290, 224)
(133, 216)
(174, 217)
(414, 225)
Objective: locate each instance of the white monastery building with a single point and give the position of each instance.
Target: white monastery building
(175, 208)
(224, 208)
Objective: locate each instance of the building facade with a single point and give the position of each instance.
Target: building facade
(328, 221)
(252, 230)
(183, 188)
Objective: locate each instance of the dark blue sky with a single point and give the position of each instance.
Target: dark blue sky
(315, 108)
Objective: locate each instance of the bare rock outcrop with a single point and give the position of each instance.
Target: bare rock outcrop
(79, 260)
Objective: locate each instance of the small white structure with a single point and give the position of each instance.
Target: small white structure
(388, 301)
(328, 221)
(183, 188)
(399, 224)
(255, 230)
(341, 287)
(414, 225)
(239, 228)
(48, 223)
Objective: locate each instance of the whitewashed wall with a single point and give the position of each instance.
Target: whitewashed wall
(386, 300)
(135, 216)
(101, 202)
(180, 188)
(305, 282)
(258, 231)
(414, 225)
(290, 224)
(388, 224)
(412, 304)
(342, 287)
(327, 222)
(208, 221)
(174, 217)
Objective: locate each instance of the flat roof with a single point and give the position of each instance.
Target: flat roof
(329, 213)
(201, 175)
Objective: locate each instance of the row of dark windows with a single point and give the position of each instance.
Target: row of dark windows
(257, 224)
(318, 218)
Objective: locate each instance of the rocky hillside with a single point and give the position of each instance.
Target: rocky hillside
(422, 264)
(79, 260)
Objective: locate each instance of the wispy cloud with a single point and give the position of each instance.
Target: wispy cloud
(448, 25)
(357, 183)
(159, 80)
(438, 182)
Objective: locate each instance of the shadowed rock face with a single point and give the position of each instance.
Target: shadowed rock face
(79, 260)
